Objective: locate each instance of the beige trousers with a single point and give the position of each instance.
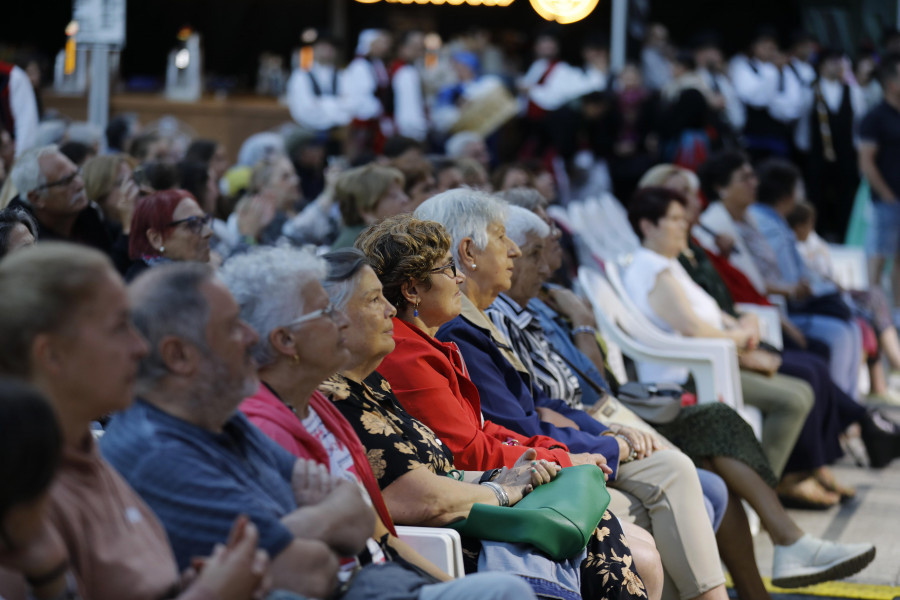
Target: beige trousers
(662, 494)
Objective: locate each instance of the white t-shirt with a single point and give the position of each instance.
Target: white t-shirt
(639, 279)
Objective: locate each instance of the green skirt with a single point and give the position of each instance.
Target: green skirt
(708, 430)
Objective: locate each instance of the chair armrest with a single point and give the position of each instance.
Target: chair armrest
(441, 546)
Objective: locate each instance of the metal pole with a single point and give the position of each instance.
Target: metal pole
(618, 28)
(98, 98)
(339, 20)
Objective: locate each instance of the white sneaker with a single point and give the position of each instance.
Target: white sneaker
(810, 560)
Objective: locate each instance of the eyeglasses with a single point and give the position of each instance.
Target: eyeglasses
(450, 265)
(194, 224)
(64, 181)
(329, 311)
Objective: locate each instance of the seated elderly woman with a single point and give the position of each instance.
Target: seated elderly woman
(288, 408)
(367, 195)
(806, 481)
(660, 491)
(416, 470)
(167, 226)
(665, 293)
(713, 434)
(64, 312)
(109, 183)
(17, 230)
(731, 186)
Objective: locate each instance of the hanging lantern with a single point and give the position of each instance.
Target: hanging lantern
(564, 11)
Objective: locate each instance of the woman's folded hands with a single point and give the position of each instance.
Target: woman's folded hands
(525, 475)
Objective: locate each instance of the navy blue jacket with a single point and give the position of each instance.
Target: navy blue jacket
(508, 398)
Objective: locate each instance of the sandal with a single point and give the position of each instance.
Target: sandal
(807, 495)
(826, 479)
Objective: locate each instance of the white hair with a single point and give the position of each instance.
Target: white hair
(266, 284)
(259, 146)
(464, 213)
(521, 221)
(456, 145)
(26, 173)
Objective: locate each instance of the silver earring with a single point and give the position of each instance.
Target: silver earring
(162, 249)
(473, 266)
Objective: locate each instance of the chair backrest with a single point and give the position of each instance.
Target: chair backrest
(609, 313)
(849, 267)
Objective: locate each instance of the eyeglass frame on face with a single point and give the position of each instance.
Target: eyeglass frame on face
(329, 311)
(64, 181)
(204, 221)
(450, 265)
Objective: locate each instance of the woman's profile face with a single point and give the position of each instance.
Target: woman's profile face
(393, 202)
(680, 184)
(371, 337)
(124, 188)
(741, 188)
(443, 300)
(284, 183)
(669, 235)
(494, 264)
(189, 239)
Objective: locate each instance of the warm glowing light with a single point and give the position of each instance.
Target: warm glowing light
(183, 58)
(184, 33)
(564, 11)
(450, 2)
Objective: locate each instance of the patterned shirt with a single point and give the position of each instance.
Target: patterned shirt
(526, 335)
(395, 442)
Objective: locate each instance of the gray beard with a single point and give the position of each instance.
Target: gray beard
(218, 389)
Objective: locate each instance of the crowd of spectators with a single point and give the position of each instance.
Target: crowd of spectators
(233, 381)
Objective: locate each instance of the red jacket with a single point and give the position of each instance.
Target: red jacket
(429, 379)
(276, 420)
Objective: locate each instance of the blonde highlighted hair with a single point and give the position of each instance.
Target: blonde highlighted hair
(359, 190)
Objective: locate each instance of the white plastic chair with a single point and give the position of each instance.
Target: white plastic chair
(849, 267)
(769, 322)
(712, 362)
(441, 546)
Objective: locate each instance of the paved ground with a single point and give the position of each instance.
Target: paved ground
(873, 516)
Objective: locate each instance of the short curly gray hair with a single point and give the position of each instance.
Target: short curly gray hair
(464, 212)
(266, 284)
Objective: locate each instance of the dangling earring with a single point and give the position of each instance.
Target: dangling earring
(416, 309)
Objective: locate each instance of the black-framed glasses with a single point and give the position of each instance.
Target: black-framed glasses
(194, 224)
(450, 265)
(63, 182)
(329, 311)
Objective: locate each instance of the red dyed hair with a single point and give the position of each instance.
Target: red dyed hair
(152, 212)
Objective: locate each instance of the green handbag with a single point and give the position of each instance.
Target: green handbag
(557, 518)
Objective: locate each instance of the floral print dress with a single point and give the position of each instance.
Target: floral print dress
(396, 443)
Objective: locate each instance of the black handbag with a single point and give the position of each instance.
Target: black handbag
(656, 403)
(828, 305)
